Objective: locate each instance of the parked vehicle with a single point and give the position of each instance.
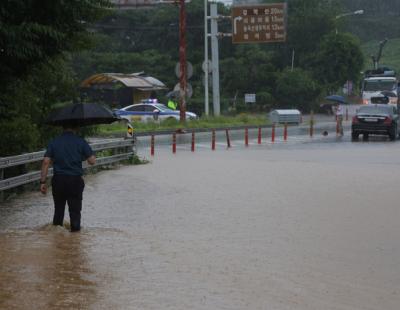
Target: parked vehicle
(380, 81)
(376, 119)
(144, 112)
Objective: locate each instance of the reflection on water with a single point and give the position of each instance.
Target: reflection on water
(45, 269)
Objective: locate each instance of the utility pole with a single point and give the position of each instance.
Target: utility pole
(215, 58)
(182, 60)
(206, 104)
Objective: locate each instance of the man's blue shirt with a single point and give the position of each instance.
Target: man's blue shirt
(67, 153)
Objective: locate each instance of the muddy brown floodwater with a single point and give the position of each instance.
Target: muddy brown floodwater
(314, 226)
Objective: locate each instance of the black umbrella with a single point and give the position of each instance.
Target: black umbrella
(81, 114)
(173, 94)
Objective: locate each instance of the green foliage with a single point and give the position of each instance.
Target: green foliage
(339, 59)
(18, 136)
(379, 21)
(390, 54)
(296, 89)
(35, 37)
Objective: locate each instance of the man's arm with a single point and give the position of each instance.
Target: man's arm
(91, 160)
(43, 175)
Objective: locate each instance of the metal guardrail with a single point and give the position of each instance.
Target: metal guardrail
(6, 162)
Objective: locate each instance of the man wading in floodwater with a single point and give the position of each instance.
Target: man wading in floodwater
(66, 152)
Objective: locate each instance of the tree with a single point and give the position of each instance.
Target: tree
(339, 59)
(296, 89)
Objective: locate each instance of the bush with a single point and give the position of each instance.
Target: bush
(297, 89)
(18, 136)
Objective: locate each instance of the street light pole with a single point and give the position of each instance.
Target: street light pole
(358, 12)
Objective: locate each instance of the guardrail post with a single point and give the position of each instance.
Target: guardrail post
(193, 141)
(174, 143)
(246, 136)
(259, 135)
(213, 140)
(152, 146)
(273, 133)
(311, 123)
(228, 140)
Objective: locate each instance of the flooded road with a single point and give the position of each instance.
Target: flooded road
(289, 226)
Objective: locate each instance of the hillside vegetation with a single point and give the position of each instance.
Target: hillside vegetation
(390, 54)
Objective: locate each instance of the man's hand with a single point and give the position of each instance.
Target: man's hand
(43, 189)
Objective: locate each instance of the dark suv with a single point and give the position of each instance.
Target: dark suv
(377, 119)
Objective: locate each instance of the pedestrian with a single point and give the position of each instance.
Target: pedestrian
(172, 104)
(66, 152)
(339, 118)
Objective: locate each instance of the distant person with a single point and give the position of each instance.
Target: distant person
(172, 104)
(66, 153)
(339, 118)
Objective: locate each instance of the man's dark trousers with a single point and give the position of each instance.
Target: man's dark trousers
(67, 189)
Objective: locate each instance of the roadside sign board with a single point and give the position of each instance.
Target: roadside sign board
(259, 23)
(249, 98)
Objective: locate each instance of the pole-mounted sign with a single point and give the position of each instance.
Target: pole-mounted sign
(259, 23)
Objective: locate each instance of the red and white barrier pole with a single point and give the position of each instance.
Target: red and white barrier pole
(246, 137)
(311, 124)
(337, 127)
(152, 145)
(273, 133)
(228, 140)
(259, 135)
(193, 141)
(174, 143)
(285, 132)
(213, 140)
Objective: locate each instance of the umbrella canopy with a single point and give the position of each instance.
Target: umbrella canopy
(336, 98)
(173, 94)
(81, 114)
(388, 94)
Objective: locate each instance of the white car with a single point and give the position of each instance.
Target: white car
(144, 112)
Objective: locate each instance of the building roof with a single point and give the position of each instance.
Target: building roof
(133, 80)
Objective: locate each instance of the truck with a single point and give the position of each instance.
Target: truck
(380, 82)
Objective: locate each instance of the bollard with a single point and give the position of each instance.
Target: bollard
(285, 132)
(337, 127)
(228, 140)
(259, 135)
(174, 143)
(273, 133)
(213, 140)
(246, 136)
(193, 141)
(311, 123)
(347, 114)
(152, 146)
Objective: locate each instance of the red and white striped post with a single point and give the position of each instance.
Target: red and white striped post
(174, 143)
(285, 132)
(259, 135)
(228, 140)
(273, 133)
(193, 141)
(337, 127)
(152, 145)
(246, 136)
(311, 124)
(213, 140)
